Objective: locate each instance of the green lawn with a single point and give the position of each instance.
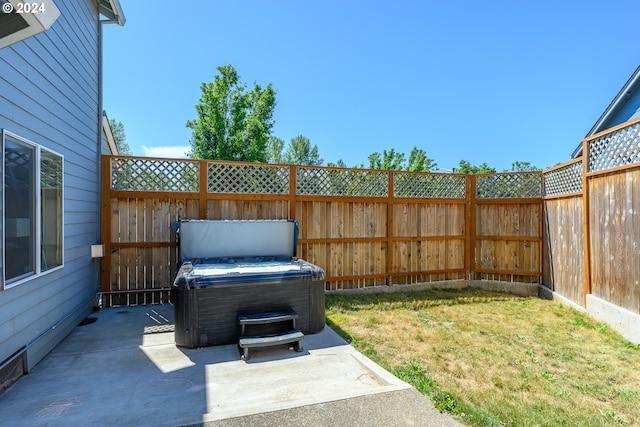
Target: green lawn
(494, 359)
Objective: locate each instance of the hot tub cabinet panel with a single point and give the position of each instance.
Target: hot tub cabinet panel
(208, 316)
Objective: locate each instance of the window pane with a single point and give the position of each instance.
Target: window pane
(51, 209)
(19, 193)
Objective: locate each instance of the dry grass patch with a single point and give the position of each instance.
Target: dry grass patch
(497, 359)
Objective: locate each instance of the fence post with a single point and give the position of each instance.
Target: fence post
(390, 206)
(470, 227)
(586, 240)
(105, 261)
(293, 175)
(202, 187)
(541, 219)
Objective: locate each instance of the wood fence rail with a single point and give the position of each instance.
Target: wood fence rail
(364, 227)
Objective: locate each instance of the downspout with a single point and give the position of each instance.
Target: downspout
(98, 162)
(99, 152)
(117, 17)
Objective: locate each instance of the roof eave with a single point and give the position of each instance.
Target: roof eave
(629, 87)
(113, 11)
(626, 91)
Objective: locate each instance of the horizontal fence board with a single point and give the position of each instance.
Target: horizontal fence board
(507, 277)
(428, 276)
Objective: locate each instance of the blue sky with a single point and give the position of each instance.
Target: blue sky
(484, 81)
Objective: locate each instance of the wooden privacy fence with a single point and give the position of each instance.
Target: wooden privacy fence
(592, 220)
(563, 264)
(364, 227)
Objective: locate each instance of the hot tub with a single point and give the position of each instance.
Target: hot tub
(232, 268)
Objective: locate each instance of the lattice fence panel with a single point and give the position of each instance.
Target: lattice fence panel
(564, 180)
(429, 186)
(509, 185)
(341, 182)
(244, 178)
(140, 174)
(618, 148)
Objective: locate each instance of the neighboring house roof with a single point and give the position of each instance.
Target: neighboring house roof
(625, 106)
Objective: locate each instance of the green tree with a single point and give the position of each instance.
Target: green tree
(392, 160)
(233, 123)
(275, 147)
(523, 167)
(419, 162)
(300, 152)
(388, 160)
(339, 164)
(468, 168)
(120, 137)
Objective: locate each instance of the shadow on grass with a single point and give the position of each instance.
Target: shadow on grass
(344, 334)
(415, 300)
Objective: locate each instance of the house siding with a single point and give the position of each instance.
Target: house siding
(627, 112)
(49, 91)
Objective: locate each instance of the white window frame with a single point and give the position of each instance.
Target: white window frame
(38, 212)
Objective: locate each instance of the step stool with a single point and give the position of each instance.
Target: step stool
(285, 334)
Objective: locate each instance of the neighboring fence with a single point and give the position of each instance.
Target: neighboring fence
(592, 222)
(613, 198)
(364, 227)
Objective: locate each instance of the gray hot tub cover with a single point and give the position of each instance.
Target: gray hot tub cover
(201, 273)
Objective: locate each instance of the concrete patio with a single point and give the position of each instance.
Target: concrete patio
(124, 369)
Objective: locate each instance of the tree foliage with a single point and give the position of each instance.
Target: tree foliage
(339, 164)
(393, 160)
(419, 162)
(388, 160)
(523, 167)
(275, 147)
(300, 152)
(468, 168)
(233, 123)
(120, 137)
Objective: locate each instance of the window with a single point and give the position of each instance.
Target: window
(50, 210)
(32, 209)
